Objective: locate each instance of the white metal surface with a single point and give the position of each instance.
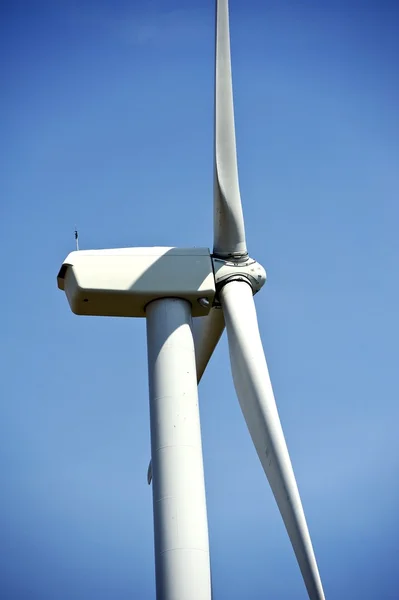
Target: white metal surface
(180, 518)
(248, 269)
(207, 332)
(255, 394)
(229, 230)
(121, 282)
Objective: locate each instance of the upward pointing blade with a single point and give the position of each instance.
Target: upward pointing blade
(229, 231)
(255, 394)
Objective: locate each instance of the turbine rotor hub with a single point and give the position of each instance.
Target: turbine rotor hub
(249, 271)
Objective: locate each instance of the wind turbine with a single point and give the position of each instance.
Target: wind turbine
(187, 297)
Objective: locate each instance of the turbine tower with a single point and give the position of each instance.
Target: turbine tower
(188, 296)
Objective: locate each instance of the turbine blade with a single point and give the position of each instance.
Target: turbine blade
(207, 331)
(229, 231)
(255, 394)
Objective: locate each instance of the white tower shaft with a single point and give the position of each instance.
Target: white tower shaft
(182, 563)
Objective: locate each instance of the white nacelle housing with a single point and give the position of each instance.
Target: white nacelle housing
(121, 282)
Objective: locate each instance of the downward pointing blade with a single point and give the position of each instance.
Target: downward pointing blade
(229, 231)
(207, 332)
(255, 394)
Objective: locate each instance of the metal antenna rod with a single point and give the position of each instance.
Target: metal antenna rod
(77, 238)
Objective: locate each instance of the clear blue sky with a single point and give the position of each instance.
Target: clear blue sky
(106, 121)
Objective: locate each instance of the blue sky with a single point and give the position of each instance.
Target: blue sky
(106, 120)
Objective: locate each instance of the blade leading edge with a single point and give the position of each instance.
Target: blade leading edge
(255, 394)
(229, 230)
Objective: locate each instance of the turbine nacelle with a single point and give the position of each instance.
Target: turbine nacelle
(122, 282)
